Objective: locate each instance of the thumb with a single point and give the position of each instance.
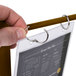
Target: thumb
(10, 35)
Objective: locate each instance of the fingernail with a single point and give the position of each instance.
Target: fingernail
(21, 33)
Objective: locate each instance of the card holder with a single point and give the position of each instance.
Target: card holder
(5, 68)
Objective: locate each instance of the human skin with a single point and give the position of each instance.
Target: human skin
(10, 35)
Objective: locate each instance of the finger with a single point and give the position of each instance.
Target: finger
(11, 17)
(10, 35)
(13, 46)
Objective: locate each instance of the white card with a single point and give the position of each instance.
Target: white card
(35, 59)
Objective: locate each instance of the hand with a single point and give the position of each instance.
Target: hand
(10, 35)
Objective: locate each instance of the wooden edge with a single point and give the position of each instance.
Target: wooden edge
(5, 64)
(51, 22)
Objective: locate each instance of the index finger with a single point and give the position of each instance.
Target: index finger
(11, 17)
